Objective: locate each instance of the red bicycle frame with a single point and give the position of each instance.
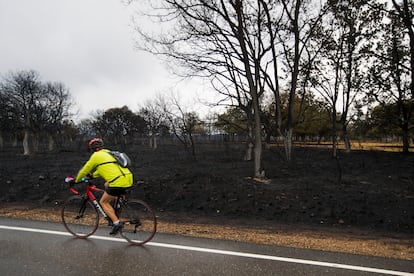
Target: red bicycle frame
(90, 196)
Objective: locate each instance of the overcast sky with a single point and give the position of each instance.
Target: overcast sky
(88, 46)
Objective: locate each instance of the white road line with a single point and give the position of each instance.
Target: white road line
(225, 252)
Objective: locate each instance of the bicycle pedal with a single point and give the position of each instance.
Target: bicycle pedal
(135, 221)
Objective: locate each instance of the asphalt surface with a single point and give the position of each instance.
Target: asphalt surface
(45, 248)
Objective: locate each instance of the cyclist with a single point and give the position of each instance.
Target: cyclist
(117, 178)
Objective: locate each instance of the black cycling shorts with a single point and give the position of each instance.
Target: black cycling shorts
(115, 191)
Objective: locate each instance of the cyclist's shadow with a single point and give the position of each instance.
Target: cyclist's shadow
(89, 244)
(76, 242)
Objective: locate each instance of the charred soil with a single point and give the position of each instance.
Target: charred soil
(362, 202)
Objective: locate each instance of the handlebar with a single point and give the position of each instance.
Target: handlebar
(71, 181)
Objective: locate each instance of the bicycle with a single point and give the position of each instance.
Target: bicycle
(81, 215)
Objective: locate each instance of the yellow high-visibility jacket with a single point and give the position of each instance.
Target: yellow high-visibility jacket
(103, 164)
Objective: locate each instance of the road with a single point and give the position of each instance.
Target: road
(45, 248)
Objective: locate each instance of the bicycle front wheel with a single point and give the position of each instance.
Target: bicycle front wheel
(139, 221)
(79, 216)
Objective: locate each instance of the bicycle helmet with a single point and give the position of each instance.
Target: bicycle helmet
(95, 144)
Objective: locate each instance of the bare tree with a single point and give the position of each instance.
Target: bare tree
(230, 42)
(38, 108)
(118, 125)
(24, 91)
(390, 74)
(9, 119)
(183, 124)
(299, 20)
(58, 101)
(404, 9)
(340, 71)
(153, 115)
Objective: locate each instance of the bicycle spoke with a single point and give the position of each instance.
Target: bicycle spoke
(139, 222)
(80, 217)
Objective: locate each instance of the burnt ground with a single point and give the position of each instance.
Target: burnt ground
(368, 193)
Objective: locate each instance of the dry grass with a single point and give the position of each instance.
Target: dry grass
(354, 241)
(359, 145)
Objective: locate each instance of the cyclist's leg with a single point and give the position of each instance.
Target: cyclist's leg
(111, 194)
(105, 202)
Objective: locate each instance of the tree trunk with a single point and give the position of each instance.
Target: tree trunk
(406, 140)
(26, 147)
(255, 142)
(288, 144)
(15, 141)
(192, 144)
(334, 135)
(154, 142)
(249, 152)
(248, 155)
(51, 145)
(35, 142)
(346, 139)
(258, 170)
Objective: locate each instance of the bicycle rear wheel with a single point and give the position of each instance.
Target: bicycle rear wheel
(139, 220)
(79, 216)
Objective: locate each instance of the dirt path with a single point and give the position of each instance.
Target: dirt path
(352, 240)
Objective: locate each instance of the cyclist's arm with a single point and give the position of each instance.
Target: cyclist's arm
(95, 174)
(86, 169)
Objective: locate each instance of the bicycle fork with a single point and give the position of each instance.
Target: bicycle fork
(82, 208)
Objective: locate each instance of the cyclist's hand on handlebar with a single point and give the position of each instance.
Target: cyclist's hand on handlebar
(70, 180)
